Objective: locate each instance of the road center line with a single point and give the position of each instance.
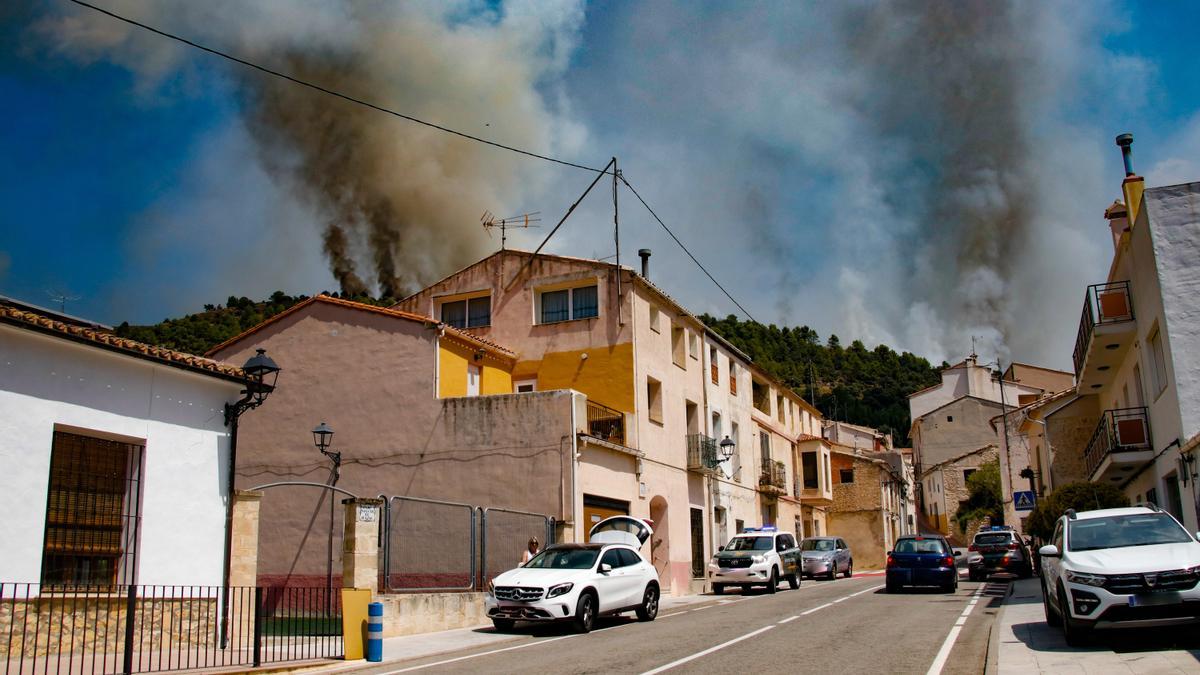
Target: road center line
(790, 618)
(706, 652)
(816, 609)
(939, 661)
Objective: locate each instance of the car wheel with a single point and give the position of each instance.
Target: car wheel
(773, 582)
(1052, 618)
(892, 587)
(832, 571)
(1026, 572)
(794, 581)
(972, 575)
(849, 570)
(718, 589)
(1075, 634)
(585, 613)
(649, 608)
(503, 625)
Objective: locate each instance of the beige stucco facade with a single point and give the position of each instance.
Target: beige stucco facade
(675, 388)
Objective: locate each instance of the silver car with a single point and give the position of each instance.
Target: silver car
(826, 556)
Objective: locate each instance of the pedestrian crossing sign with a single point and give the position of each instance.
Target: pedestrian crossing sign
(1024, 500)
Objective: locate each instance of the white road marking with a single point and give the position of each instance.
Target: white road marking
(939, 661)
(816, 609)
(475, 656)
(706, 652)
(790, 618)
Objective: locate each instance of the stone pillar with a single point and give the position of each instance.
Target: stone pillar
(360, 543)
(243, 558)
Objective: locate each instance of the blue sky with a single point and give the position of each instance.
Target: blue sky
(134, 184)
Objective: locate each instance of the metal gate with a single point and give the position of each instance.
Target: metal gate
(431, 545)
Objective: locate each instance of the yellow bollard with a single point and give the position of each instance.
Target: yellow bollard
(354, 621)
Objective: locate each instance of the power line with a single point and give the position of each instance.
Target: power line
(685, 249)
(410, 118)
(331, 92)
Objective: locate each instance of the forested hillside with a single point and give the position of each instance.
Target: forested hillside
(197, 333)
(851, 384)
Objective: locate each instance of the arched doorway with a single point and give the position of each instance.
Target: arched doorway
(660, 543)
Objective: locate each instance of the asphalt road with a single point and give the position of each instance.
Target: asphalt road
(847, 625)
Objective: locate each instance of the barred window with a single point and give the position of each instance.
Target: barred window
(92, 512)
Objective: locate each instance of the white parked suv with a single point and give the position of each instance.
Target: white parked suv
(1119, 567)
(578, 582)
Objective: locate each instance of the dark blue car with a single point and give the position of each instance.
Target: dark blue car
(922, 560)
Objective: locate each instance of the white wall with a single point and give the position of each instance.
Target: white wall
(46, 381)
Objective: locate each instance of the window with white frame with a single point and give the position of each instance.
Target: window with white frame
(467, 313)
(654, 319)
(693, 344)
(567, 304)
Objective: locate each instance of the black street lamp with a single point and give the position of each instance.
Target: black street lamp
(726, 448)
(322, 437)
(262, 373)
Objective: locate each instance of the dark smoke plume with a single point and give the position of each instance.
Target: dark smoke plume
(402, 200)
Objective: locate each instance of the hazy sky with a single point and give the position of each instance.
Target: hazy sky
(912, 173)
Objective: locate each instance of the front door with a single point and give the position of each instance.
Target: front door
(472, 380)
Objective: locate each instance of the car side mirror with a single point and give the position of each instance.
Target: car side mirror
(720, 548)
(605, 568)
(1049, 551)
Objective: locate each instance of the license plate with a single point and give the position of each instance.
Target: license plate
(1154, 599)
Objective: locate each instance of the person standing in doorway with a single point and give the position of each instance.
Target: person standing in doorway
(530, 551)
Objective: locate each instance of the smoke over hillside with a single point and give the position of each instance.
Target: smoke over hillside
(402, 202)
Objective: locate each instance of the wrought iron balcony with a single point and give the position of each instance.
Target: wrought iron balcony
(605, 423)
(1120, 431)
(702, 453)
(773, 477)
(1104, 305)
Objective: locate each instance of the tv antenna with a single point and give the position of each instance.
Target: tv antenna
(62, 298)
(488, 220)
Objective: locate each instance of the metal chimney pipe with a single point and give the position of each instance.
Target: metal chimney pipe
(1125, 141)
(644, 254)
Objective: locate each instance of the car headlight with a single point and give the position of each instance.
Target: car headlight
(759, 559)
(561, 589)
(1086, 579)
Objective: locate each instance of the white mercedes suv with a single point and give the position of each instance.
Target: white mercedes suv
(578, 582)
(1114, 568)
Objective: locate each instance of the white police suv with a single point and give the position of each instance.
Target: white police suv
(760, 556)
(1117, 568)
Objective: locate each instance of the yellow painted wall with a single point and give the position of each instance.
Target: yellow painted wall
(1133, 197)
(496, 380)
(605, 376)
(453, 359)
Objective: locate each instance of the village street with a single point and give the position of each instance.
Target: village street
(847, 625)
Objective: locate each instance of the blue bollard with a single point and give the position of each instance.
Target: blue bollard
(375, 632)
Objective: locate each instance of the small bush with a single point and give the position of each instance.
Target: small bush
(1082, 496)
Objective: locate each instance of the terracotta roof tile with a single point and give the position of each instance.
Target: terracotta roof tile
(23, 318)
(374, 309)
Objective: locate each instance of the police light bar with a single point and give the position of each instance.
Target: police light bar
(765, 528)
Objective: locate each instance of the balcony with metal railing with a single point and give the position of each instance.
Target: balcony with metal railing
(702, 454)
(606, 423)
(773, 477)
(1106, 330)
(1120, 443)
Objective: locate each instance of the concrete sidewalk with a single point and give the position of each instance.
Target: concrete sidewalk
(1027, 645)
(421, 645)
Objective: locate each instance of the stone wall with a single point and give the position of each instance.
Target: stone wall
(863, 531)
(75, 624)
(1068, 432)
(954, 483)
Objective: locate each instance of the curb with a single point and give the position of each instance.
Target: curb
(992, 662)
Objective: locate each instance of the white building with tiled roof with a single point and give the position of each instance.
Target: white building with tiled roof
(114, 464)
